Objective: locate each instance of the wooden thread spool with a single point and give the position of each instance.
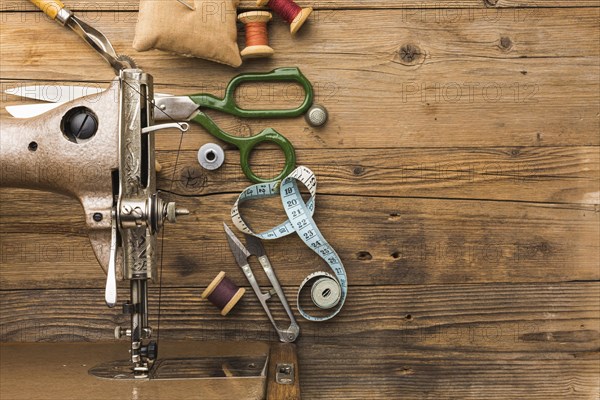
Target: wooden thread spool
(289, 11)
(257, 39)
(223, 293)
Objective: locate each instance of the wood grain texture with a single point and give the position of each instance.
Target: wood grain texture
(458, 180)
(464, 83)
(448, 341)
(504, 318)
(62, 371)
(381, 240)
(531, 174)
(439, 377)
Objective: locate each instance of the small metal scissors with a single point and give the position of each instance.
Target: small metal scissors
(241, 254)
(189, 108)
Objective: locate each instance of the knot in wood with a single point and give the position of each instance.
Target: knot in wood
(505, 43)
(192, 177)
(409, 53)
(490, 3)
(358, 170)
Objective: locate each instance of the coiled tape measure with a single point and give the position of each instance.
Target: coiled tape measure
(327, 291)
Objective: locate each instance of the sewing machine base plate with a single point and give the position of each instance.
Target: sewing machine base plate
(186, 370)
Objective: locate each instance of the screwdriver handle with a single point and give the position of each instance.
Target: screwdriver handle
(49, 7)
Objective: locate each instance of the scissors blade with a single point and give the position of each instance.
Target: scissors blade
(240, 252)
(180, 108)
(255, 245)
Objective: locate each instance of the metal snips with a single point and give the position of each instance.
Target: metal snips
(255, 248)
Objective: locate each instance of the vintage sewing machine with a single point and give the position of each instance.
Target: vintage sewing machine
(123, 210)
(110, 138)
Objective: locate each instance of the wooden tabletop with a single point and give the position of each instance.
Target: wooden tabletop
(458, 180)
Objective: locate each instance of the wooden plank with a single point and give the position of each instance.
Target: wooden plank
(488, 6)
(381, 240)
(405, 339)
(370, 372)
(495, 318)
(534, 174)
(465, 87)
(61, 373)
(409, 340)
(527, 174)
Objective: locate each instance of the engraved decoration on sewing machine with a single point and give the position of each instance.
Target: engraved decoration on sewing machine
(142, 249)
(132, 170)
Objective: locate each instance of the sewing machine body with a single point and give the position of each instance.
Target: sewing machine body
(37, 155)
(100, 150)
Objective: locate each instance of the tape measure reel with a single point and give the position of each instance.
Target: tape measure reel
(325, 293)
(328, 292)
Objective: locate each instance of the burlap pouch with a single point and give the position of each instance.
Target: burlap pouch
(209, 31)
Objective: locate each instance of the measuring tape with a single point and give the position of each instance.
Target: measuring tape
(327, 291)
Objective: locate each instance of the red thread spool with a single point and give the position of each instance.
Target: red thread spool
(223, 293)
(257, 40)
(289, 11)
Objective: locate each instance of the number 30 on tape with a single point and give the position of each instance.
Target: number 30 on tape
(327, 291)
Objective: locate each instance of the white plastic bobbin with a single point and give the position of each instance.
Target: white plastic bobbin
(211, 156)
(325, 293)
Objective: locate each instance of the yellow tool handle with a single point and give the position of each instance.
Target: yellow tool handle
(49, 7)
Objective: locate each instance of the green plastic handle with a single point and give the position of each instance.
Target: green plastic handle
(247, 144)
(228, 104)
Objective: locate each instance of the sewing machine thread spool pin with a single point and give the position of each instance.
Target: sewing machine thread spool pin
(257, 39)
(223, 293)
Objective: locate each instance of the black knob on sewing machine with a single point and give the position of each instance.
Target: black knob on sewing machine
(79, 124)
(150, 352)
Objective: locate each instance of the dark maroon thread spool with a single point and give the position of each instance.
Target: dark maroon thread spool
(223, 293)
(291, 12)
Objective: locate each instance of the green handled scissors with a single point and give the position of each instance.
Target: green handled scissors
(189, 108)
